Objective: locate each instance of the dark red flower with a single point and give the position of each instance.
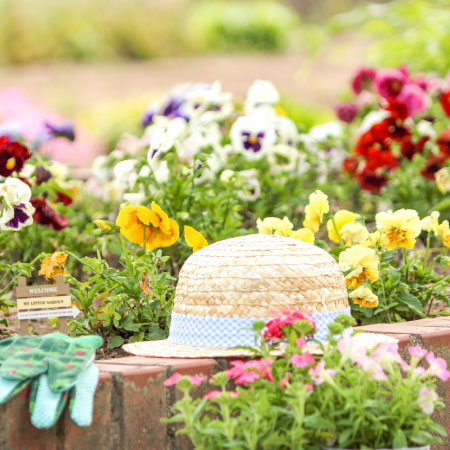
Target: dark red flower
(445, 102)
(443, 142)
(409, 148)
(350, 165)
(377, 159)
(377, 137)
(47, 216)
(12, 156)
(65, 199)
(346, 111)
(363, 79)
(396, 109)
(396, 130)
(433, 164)
(371, 181)
(42, 175)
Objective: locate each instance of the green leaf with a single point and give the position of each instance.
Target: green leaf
(399, 439)
(422, 438)
(116, 341)
(412, 302)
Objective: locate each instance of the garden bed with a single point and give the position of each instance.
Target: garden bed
(131, 398)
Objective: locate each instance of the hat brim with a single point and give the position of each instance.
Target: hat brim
(166, 349)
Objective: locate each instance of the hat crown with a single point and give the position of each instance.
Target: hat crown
(250, 276)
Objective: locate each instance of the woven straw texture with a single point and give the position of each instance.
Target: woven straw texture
(249, 276)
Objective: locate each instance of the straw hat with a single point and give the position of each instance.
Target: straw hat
(223, 288)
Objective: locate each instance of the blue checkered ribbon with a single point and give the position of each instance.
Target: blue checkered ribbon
(231, 331)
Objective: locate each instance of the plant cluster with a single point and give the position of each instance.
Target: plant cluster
(351, 393)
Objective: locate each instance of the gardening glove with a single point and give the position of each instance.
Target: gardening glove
(59, 368)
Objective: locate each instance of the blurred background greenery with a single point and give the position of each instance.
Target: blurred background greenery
(103, 61)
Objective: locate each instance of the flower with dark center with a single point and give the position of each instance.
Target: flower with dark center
(23, 216)
(433, 165)
(410, 148)
(443, 142)
(363, 79)
(12, 156)
(371, 181)
(65, 130)
(252, 142)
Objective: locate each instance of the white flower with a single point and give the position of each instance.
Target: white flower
(59, 171)
(319, 133)
(163, 138)
(100, 168)
(286, 131)
(14, 192)
(443, 179)
(426, 400)
(251, 190)
(134, 198)
(425, 128)
(160, 170)
(226, 175)
(283, 158)
(260, 93)
(27, 171)
(112, 191)
(253, 135)
(15, 207)
(125, 173)
(371, 119)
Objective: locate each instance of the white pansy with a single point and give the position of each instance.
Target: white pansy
(286, 131)
(134, 198)
(283, 158)
(319, 133)
(253, 135)
(14, 192)
(226, 175)
(260, 93)
(59, 171)
(215, 163)
(160, 170)
(27, 171)
(112, 191)
(125, 173)
(163, 138)
(145, 171)
(251, 189)
(100, 168)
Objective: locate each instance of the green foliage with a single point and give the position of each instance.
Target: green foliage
(241, 25)
(414, 32)
(130, 303)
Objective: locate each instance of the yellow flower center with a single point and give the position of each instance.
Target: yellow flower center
(395, 235)
(11, 163)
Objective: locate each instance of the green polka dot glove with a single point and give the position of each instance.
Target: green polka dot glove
(59, 368)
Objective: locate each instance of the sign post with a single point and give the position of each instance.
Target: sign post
(44, 301)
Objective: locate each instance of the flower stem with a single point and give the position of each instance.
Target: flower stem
(427, 251)
(341, 243)
(127, 256)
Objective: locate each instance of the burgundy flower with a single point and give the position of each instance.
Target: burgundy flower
(346, 111)
(42, 175)
(409, 148)
(47, 216)
(12, 156)
(371, 181)
(363, 79)
(445, 102)
(396, 130)
(433, 164)
(443, 142)
(65, 199)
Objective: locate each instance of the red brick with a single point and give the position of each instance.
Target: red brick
(97, 436)
(402, 328)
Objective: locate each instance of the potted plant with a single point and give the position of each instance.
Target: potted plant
(351, 392)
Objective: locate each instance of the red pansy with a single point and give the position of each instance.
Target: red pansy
(350, 164)
(409, 148)
(12, 156)
(443, 142)
(445, 102)
(46, 215)
(371, 181)
(433, 164)
(396, 109)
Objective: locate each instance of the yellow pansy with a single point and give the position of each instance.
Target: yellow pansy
(341, 218)
(444, 233)
(303, 234)
(53, 265)
(160, 231)
(399, 228)
(443, 179)
(194, 239)
(274, 225)
(354, 233)
(363, 264)
(363, 296)
(373, 240)
(102, 225)
(317, 207)
(431, 223)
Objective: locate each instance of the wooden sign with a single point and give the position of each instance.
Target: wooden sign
(44, 302)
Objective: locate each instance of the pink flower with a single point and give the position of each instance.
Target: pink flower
(346, 111)
(349, 349)
(249, 371)
(288, 316)
(418, 372)
(437, 367)
(303, 360)
(309, 387)
(300, 343)
(196, 380)
(285, 380)
(417, 352)
(174, 379)
(373, 369)
(212, 394)
(389, 82)
(363, 79)
(426, 400)
(414, 98)
(386, 353)
(319, 374)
